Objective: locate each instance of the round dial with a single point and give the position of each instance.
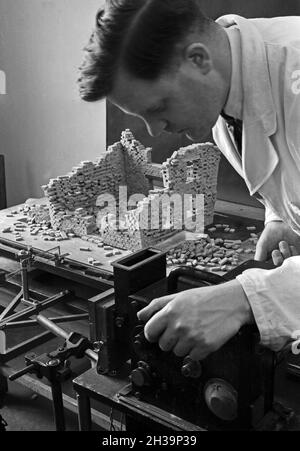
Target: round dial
(221, 399)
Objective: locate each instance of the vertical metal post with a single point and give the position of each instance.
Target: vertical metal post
(84, 412)
(58, 406)
(24, 256)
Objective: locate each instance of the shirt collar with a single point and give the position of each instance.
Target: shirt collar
(259, 157)
(234, 104)
(258, 102)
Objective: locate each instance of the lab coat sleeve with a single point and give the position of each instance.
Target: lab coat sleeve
(270, 214)
(274, 297)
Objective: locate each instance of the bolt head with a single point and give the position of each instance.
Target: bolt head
(53, 362)
(23, 253)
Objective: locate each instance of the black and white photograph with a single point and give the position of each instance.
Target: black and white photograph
(149, 219)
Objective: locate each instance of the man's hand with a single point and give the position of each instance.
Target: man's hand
(199, 321)
(279, 241)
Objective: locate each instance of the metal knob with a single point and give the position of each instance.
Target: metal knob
(141, 376)
(191, 368)
(120, 320)
(221, 399)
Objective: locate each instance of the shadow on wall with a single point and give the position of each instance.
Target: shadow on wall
(230, 185)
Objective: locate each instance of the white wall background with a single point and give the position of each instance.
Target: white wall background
(45, 128)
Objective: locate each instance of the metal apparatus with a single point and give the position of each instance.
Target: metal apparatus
(24, 312)
(231, 389)
(54, 365)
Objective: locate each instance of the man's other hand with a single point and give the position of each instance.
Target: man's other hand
(199, 321)
(277, 241)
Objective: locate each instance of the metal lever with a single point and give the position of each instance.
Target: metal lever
(59, 332)
(52, 365)
(28, 369)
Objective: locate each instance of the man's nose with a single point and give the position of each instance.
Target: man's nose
(155, 128)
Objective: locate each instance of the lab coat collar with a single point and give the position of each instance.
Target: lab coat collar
(259, 114)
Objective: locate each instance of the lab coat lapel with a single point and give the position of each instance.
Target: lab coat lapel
(259, 157)
(225, 142)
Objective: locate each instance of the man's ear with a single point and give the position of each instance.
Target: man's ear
(199, 55)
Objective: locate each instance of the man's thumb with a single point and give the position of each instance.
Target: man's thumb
(261, 252)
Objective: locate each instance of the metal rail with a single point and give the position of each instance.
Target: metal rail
(59, 332)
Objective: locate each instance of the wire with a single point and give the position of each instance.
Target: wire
(111, 418)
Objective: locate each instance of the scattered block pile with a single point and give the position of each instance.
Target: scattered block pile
(216, 252)
(217, 255)
(73, 197)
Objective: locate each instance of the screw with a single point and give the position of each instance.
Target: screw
(98, 345)
(119, 321)
(23, 253)
(53, 362)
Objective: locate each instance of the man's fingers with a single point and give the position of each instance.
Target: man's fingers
(261, 253)
(154, 306)
(277, 258)
(156, 326)
(198, 354)
(167, 341)
(284, 249)
(182, 348)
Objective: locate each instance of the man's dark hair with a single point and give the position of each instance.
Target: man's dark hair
(139, 36)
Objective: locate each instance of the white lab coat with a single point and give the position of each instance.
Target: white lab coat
(270, 164)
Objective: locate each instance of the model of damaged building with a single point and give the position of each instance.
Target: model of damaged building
(75, 204)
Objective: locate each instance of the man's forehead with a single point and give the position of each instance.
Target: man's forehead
(135, 95)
